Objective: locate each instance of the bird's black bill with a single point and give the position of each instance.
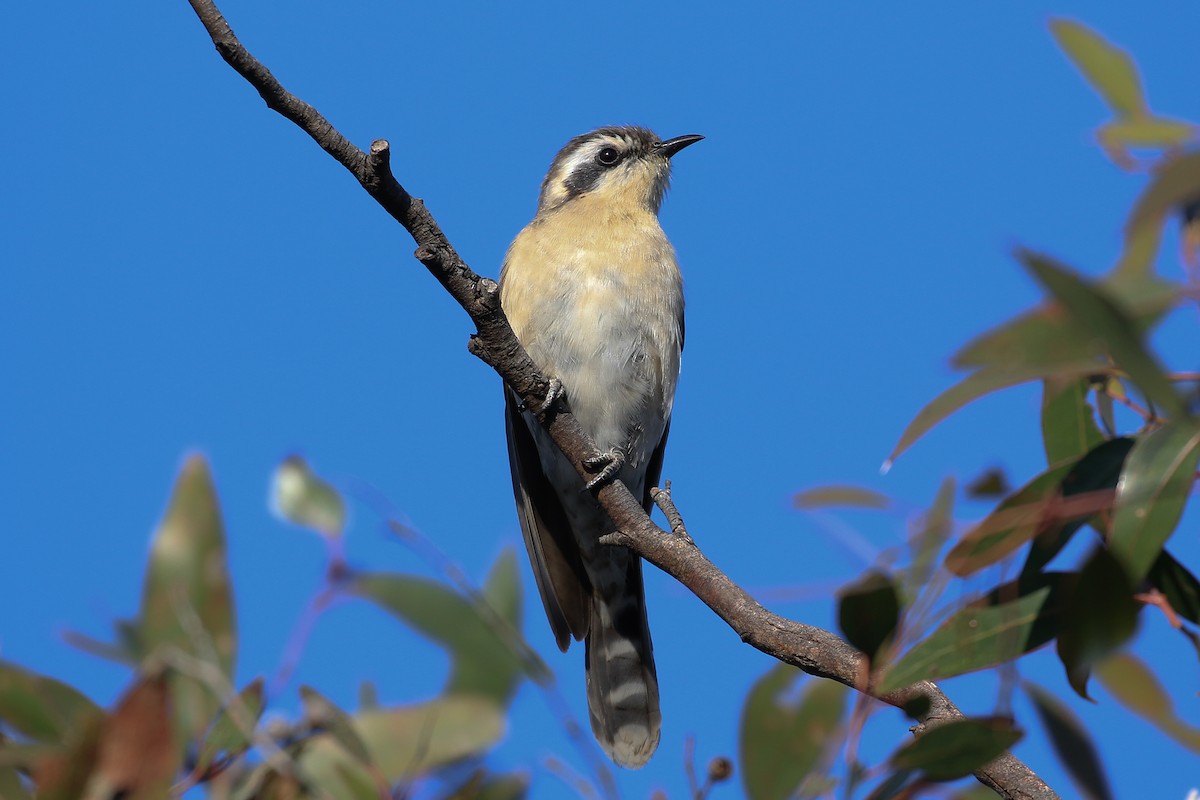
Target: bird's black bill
(672, 146)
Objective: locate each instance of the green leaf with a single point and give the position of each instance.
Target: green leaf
(40, 707)
(484, 638)
(973, 791)
(1013, 523)
(928, 538)
(407, 742)
(1180, 586)
(1134, 686)
(187, 598)
(846, 496)
(1086, 496)
(868, 612)
(1135, 267)
(120, 652)
(1071, 743)
(233, 730)
(323, 714)
(1091, 307)
(897, 785)
(504, 787)
(1174, 184)
(781, 743)
(65, 776)
(1045, 341)
(11, 787)
(1145, 132)
(481, 786)
(1040, 340)
(989, 484)
(1109, 70)
(956, 749)
(1011, 621)
(1154, 487)
(975, 386)
(1099, 616)
(1068, 422)
(360, 784)
(299, 496)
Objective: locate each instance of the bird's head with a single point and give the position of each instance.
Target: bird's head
(623, 165)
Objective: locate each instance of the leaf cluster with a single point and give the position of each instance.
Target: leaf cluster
(1121, 436)
(181, 723)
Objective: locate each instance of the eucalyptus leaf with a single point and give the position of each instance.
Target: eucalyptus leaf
(1155, 484)
(11, 787)
(483, 634)
(406, 742)
(976, 385)
(929, 535)
(782, 743)
(1086, 491)
(1011, 620)
(1145, 132)
(1174, 184)
(1012, 524)
(869, 611)
(1109, 69)
(1068, 421)
(1092, 308)
(956, 749)
(187, 597)
(40, 707)
(1178, 585)
(845, 496)
(1071, 743)
(301, 497)
(320, 712)
(1099, 616)
(1135, 686)
(233, 729)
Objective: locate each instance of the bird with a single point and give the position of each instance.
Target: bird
(593, 292)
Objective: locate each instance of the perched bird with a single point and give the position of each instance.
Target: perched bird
(594, 294)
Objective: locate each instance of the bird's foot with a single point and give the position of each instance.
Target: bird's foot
(554, 393)
(606, 465)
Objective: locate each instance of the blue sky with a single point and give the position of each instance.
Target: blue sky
(184, 270)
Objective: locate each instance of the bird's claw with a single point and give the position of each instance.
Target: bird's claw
(606, 465)
(554, 393)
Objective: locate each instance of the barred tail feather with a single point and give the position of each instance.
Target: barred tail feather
(622, 686)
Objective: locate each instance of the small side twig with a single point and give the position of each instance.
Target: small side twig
(662, 499)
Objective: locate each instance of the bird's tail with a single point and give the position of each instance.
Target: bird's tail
(622, 687)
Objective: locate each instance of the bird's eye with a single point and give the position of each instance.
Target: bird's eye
(608, 156)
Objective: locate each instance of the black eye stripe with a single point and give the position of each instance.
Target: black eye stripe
(586, 174)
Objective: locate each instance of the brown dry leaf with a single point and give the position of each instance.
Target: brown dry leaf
(137, 755)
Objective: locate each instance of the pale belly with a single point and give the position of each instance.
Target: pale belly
(618, 367)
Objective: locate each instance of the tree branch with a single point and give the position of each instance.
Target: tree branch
(814, 650)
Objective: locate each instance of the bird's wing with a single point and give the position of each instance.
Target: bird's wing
(557, 566)
(654, 468)
(654, 465)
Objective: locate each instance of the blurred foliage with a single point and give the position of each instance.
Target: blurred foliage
(1088, 345)
(182, 723)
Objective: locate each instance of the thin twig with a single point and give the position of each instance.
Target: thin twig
(662, 498)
